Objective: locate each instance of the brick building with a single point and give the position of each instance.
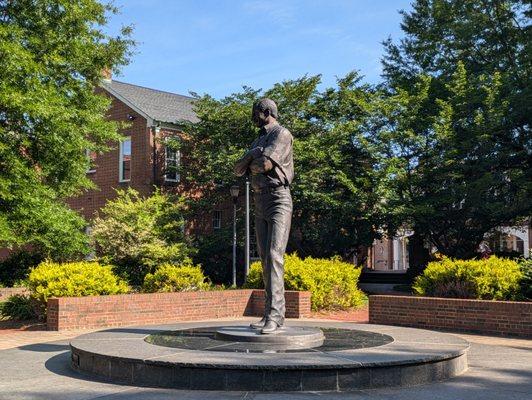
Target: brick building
(140, 161)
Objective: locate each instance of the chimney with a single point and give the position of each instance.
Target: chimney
(107, 74)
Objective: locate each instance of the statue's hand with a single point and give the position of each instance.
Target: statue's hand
(242, 165)
(260, 165)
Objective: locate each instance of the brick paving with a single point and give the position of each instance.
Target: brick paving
(17, 334)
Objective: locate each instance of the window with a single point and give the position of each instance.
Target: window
(171, 164)
(91, 157)
(216, 219)
(125, 160)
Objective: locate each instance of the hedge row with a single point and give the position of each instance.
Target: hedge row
(487, 279)
(332, 283)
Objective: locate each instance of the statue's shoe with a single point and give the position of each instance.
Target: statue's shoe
(269, 327)
(258, 325)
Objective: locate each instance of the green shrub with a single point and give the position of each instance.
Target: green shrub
(175, 278)
(331, 282)
(20, 307)
(137, 234)
(74, 279)
(526, 280)
(488, 279)
(16, 267)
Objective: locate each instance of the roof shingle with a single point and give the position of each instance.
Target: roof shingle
(157, 104)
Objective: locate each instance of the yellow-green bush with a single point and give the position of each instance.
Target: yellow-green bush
(488, 279)
(50, 279)
(331, 282)
(175, 278)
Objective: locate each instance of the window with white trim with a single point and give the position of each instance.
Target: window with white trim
(216, 219)
(171, 164)
(125, 160)
(91, 158)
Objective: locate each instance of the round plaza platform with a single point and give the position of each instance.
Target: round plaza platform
(230, 356)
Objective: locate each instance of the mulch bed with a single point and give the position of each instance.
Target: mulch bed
(360, 315)
(8, 325)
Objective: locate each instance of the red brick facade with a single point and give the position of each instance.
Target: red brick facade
(147, 167)
(158, 308)
(106, 169)
(510, 318)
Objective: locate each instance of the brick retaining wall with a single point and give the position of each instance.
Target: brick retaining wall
(511, 318)
(159, 308)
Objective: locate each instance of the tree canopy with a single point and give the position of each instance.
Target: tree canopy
(456, 136)
(53, 53)
(336, 189)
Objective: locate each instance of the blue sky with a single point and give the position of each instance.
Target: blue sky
(217, 47)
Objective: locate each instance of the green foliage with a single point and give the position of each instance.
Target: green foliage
(331, 282)
(136, 234)
(75, 279)
(16, 267)
(254, 278)
(175, 278)
(487, 279)
(53, 53)
(454, 134)
(19, 307)
(526, 280)
(336, 190)
(215, 255)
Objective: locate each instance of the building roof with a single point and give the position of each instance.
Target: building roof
(155, 104)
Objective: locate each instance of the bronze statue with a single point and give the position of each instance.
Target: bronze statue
(270, 163)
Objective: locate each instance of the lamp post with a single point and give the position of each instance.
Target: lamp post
(234, 194)
(246, 271)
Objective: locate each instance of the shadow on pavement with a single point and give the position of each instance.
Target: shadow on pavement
(45, 347)
(60, 365)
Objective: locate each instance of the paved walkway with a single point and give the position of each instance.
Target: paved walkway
(500, 369)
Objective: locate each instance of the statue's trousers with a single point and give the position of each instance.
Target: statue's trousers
(273, 215)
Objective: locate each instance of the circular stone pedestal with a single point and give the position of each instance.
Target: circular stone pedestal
(285, 338)
(192, 356)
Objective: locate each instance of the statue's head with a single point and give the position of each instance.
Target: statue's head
(264, 112)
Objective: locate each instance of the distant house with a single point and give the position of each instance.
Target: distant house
(511, 240)
(140, 161)
(393, 253)
(389, 253)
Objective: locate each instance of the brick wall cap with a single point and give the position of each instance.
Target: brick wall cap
(450, 299)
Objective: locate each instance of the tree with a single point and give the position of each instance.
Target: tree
(53, 53)
(336, 190)
(456, 137)
(137, 234)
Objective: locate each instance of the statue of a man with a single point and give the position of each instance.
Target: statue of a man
(270, 163)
